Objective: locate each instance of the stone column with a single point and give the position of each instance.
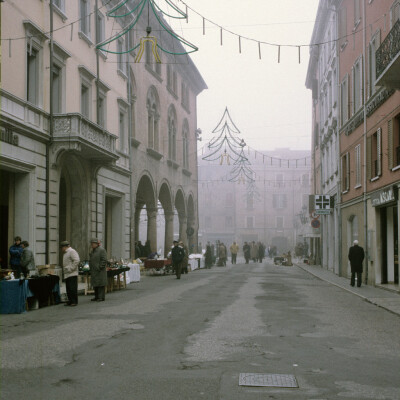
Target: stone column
(152, 228)
(182, 228)
(169, 231)
(137, 224)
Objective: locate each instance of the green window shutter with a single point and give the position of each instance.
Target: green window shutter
(347, 171)
(369, 149)
(379, 150)
(390, 143)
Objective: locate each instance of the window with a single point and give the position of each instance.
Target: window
(100, 28)
(122, 131)
(121, 56)
(169, 77)
(357, 13)
(249, 222)
(279, 200)
(153, 118)
(57, 89)
(305, 179)
(59, 4)
(344, 100)
(374, 144)
(394, 142)
(357, 85)
(357, 157)
(394, 12)
(185, 95)
(185, 144)
(279, 222)
(32, 76)
(373, 46)
(84, 7)
(229, 199)
(172, 133)
(345, 172)
(228, 222)
(250, 201)
(101, 117)
(85, 91)
(342, 28)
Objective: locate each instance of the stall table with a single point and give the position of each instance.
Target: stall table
(111, 273)
(133, 275)
(161, 264)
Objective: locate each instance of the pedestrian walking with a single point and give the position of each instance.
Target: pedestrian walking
(261, 252)
(98, 270)
(356, 258)
(177, 254)
(27, 259)
(70, 268)
(208, 259)
(254, 251)
(15, 256)
(234, 250)
(222, 255)
(246, 252)
(185, 260)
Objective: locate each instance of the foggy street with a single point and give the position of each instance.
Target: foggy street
(190, 339)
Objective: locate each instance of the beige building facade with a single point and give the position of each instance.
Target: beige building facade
(91, 147)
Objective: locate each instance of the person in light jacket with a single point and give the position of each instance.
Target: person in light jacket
(27, 259)
(70, 267)
(98, 270)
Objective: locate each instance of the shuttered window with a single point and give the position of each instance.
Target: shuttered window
(376, 154)
(346, 172)
(357, 156)
(344, 100)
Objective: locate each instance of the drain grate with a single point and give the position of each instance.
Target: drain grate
(268, 380)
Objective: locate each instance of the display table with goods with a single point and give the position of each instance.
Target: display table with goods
(160, 265)
(15, 294)
(116, 276)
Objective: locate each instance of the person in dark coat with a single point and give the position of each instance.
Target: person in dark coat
(246, 252)
(15, 256)
(98, 270)
(208, 257)
(185, 260)
(177, 255)
(261, 252)
(356, 258)
(27, 259)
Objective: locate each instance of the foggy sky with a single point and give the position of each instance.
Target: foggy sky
(267, 100)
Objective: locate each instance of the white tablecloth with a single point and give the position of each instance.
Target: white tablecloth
(195, 258)
(193, 264)
(133, 275)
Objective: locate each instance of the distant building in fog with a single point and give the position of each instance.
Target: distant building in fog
(269, 211)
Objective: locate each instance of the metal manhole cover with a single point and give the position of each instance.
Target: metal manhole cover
(268, 380)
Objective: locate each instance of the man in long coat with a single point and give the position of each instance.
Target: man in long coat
(177, 255)
(98, 270)
(356, 257)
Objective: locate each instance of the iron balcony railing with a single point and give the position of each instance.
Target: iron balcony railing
(388, 50)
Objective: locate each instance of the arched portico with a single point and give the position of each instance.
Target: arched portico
(191, 224)
(165, 198)
(181, 210)
(145, 197)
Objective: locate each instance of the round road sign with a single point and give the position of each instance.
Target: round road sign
(315, 223)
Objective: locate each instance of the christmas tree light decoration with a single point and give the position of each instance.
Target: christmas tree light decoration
(226, 141)
(157, 13)
(242, 172)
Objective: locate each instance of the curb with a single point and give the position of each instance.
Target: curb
(347, 290)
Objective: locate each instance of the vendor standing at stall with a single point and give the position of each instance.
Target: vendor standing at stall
(98, 270)
(15, 256)
(70, 267)
(27, 259)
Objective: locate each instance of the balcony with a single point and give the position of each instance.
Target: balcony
(74, 132)
(388, 59)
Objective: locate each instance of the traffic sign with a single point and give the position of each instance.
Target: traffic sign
(315, 223)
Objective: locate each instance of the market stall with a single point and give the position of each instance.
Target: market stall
(196, 261)
(161, 265)
(133, 275)
(40, 291)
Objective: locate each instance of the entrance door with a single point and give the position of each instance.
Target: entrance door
(396, 245)
(384, 245)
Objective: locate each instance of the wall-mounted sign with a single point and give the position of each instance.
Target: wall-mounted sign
(315, 223)
(323, 204)
(384, 196)
(6, 135)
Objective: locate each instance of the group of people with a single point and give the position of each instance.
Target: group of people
(22, 260)
(142, 250)
(253, 251)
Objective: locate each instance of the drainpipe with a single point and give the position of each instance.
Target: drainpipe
(47, 245)
(97, 106)
(365, 144)
(339, 180)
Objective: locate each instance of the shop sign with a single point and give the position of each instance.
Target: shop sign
(6, 135)
(323, 204)
(384, 196)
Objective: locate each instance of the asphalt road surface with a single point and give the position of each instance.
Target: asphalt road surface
(164, 339)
